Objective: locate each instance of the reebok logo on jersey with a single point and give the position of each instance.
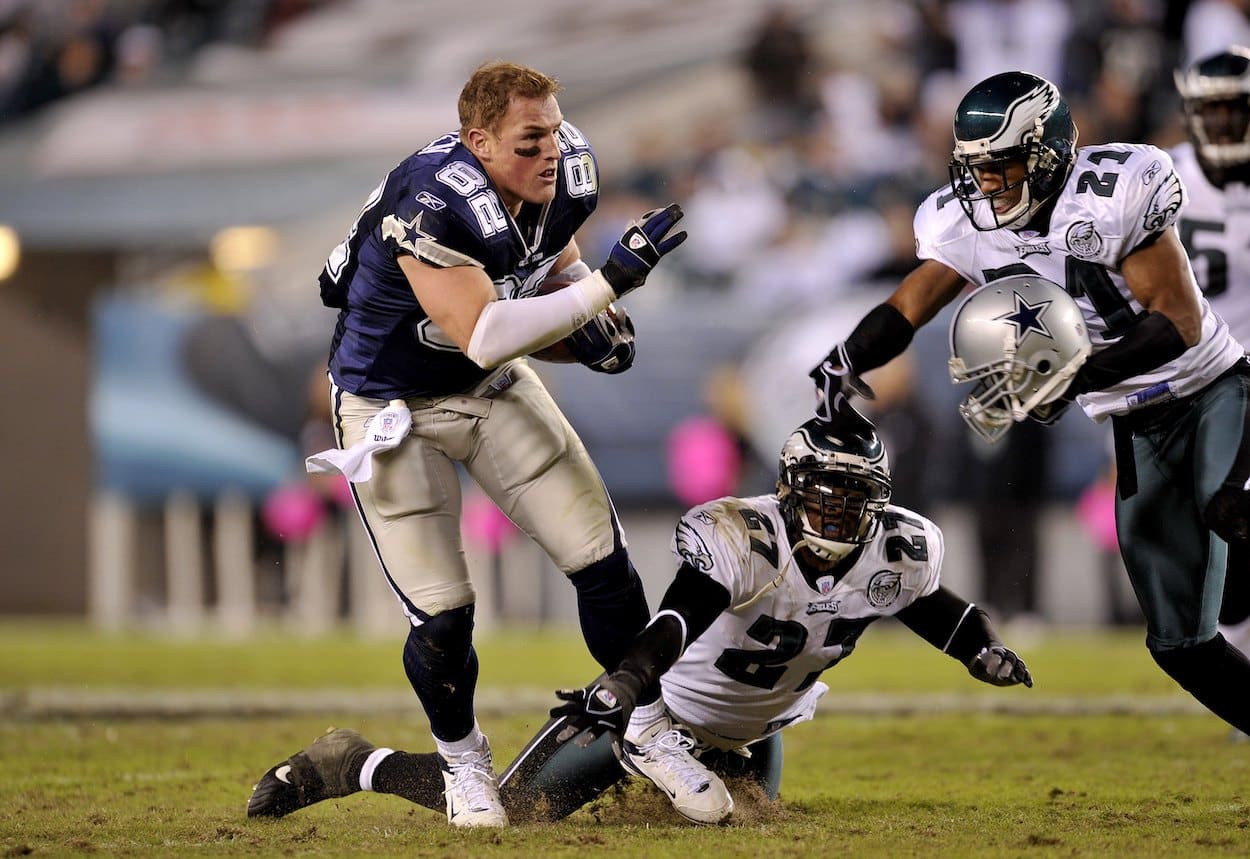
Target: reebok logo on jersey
(425, 198)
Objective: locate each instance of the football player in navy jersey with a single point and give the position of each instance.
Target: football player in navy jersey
(770, 592)
(1025, 204)
(437, 283)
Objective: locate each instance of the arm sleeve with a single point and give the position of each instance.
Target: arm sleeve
(881, 335)
(1150, 343)
(950, 623)
(690, 605)
(519, 326)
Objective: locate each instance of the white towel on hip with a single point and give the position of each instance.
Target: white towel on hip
(383, 431)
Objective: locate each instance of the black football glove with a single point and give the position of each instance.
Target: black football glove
(605, 344)
(835, 374)
(640, 248)
(999, 666)
(603, 706)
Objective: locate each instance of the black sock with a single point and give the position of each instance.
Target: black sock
(611, 607)
(1215, 673)
(415, 777)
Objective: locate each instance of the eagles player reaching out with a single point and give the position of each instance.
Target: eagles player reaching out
(1215, 229)
(771, 591)
(1099, 221)
(435, 285)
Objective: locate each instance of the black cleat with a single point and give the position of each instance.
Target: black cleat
(321, 771)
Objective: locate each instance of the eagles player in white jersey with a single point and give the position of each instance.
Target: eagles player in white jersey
(1215, 228)
(1099, 221)
(770, 592)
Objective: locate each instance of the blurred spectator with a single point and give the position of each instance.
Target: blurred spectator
(783, 70)
(1005, 487)
(1119, 70)
(1211, 26)
(993, 36)
(56, 48)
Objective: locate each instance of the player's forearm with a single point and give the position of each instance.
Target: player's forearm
(1150, 343)
(519, 326)
(950, 623)
(690, 605)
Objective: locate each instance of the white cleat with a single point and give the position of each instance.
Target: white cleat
(661, 753)
(472, 790)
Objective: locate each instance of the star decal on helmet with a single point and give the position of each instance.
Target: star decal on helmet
(1027, 317)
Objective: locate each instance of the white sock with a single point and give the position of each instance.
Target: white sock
(471, 743)
(643, 717)
(371, 763)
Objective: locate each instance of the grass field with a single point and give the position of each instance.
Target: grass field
(140, 746)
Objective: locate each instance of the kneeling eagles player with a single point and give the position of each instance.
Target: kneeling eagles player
(771, 591)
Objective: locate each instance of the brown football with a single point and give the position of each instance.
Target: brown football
(558, 352)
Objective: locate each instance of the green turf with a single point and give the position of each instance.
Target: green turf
(949, 784)
(888, 659)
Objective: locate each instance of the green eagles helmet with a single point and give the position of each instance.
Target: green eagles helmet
(1011, 117)
(1215, 93)
(833, 484)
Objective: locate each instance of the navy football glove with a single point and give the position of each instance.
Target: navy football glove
(605, 344)
(604, 706)
(833, 375)
(640, 248)
(998, 666)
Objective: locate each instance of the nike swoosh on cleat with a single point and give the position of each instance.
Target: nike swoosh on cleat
(282, 773)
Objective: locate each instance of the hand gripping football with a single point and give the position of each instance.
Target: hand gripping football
(562, 351)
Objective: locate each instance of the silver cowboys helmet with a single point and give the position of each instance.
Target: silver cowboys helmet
(1020, 339)
(834, 484)
(1011, 117)
(1215, 93)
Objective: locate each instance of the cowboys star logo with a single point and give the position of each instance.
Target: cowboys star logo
(407, 234)
(1027, 318)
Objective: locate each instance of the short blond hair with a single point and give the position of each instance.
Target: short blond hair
(485, 97)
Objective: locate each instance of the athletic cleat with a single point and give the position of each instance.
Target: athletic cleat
(319, 772)
(472, 789)
(662, 754)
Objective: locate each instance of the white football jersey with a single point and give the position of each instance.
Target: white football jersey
(1117, 196)
(1215, 228)
(755, 670)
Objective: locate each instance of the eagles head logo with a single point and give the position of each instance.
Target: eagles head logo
(692, 548)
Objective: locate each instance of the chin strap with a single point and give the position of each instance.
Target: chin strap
(773, 584)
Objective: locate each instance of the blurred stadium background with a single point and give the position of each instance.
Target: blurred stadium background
(173, 173)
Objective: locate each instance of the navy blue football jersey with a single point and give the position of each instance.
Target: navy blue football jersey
(440, 206)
